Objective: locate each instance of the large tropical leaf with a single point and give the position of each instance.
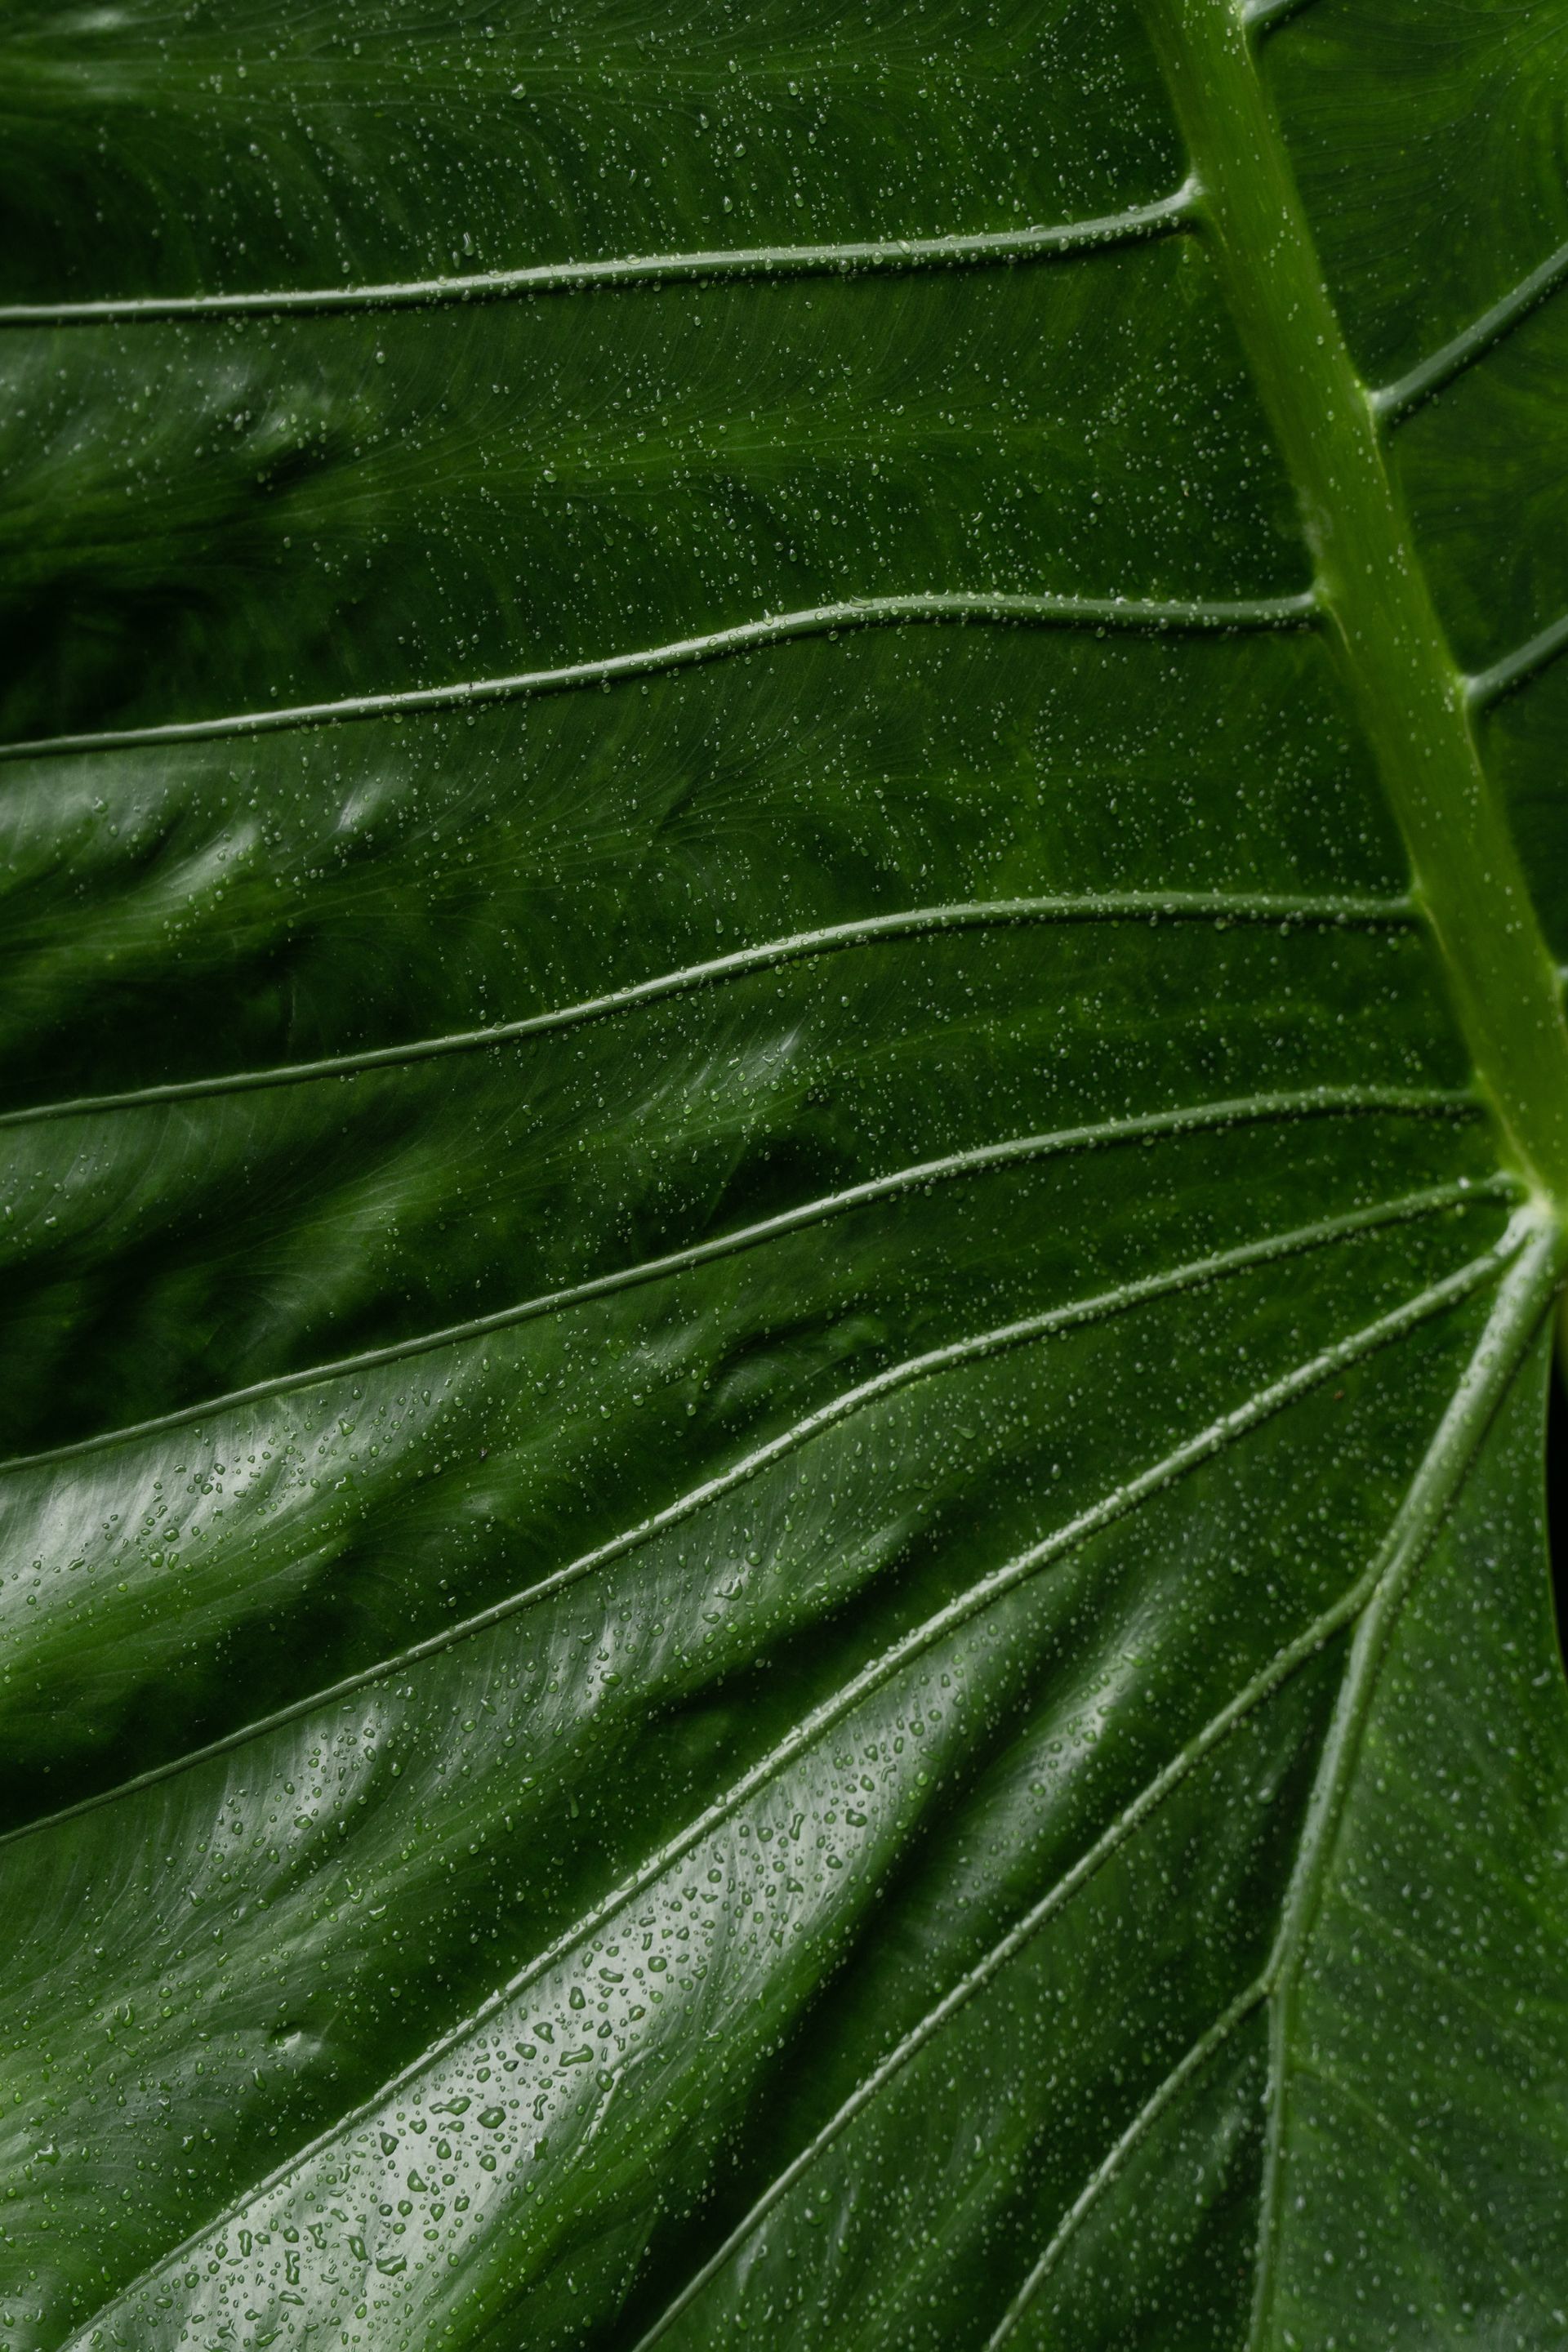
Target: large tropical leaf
(786, 1108)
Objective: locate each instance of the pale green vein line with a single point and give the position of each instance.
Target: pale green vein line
(1523, 1298)
(1217, 907)
(1326, 1102)
(1140, 615)
(1395, 401)
(1135, 225)
(1489, 686)
(1286, 1663)
(1227, 1430)
(1261, 16)
(1378, 612)
(1196, 1274)
(1204, 2048)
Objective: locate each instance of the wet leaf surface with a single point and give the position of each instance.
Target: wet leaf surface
(782, 1104)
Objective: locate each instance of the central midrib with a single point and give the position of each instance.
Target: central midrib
(1466, 874)
(1372, 589)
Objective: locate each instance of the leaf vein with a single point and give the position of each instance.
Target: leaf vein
(1325, 1102)
(1136, 224)
(1208, 1443)
(1395, 401)
(1192, 2063)
(1526, 661)
(1523, 1300)
(1192, 1276)
(1219, 907)
(1139, 616)
(1286, 1663)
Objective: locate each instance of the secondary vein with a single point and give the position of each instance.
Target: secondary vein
(1219, 907)
(1323, 1102)
(1376, 604)
(1139, 616)
(1413, 1521)
(1489, 686)
(1207, 2045)
(1219, 1434)
(1395, 401)
(1134, 225)
(1195, 1273)
(1480, 2231)
(1523, 1300)
(1262, 15)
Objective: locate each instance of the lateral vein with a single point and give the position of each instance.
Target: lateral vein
(1195, 1275)
(1395, 401)
(1260, 1407)
(1479, 2231)
(1377, 605)
(1138, 616)
(1522, 1300)
(1207, 2045)
(1525, 662)
(1137, 224)
(1325, 1102)
(1286, 1663)
(1261, 16)
(1218, 907)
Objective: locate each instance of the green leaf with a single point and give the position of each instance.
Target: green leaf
(787, 1121)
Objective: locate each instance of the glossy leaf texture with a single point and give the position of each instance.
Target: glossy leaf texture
(777, 1281)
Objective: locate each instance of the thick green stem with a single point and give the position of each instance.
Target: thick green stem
(1374, 597)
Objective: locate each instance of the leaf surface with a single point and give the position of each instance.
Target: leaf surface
(784, 1103)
